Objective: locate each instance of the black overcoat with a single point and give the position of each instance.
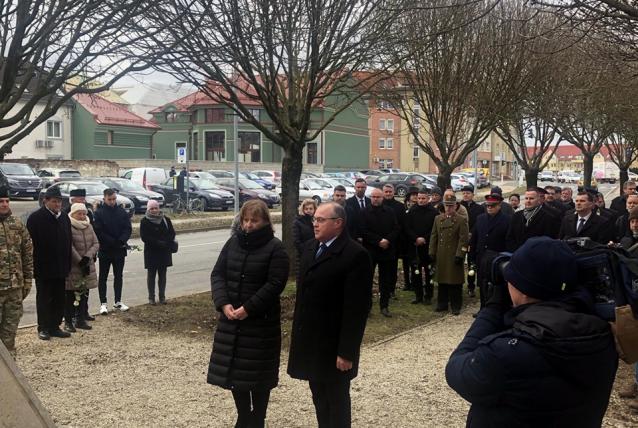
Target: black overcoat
(380, 223)
(488, 235)
(331, 310)
(595, 228)
(113, 229)
(157, 240)
(51, 244)
(251, 271)
(419, 222)
(473, 211)
(302, 232)
(542, 224)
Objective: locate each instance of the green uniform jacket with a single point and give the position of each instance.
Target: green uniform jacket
(449, 239)
(16, 255)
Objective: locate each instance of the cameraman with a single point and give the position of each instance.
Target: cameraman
(541, 358)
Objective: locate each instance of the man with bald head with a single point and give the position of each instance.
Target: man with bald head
(380, 231)
(622, 224)
(331, 311)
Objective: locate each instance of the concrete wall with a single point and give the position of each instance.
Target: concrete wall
(86, 167)
(207, 165)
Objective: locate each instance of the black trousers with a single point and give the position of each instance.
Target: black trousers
(332, 403)
(118, 269)
(49, 301)
(393, 278)
(387, 277)
(407, 272)
(71, 311)
(160, 272)
(471, 280)
(452, 293)
(251, 408)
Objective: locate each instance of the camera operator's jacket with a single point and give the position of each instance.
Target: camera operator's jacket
(545, 366)
(16, 255)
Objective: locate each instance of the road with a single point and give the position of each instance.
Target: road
(190, 273)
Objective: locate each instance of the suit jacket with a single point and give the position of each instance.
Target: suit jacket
(594, 228)
(353, 212)
(542, 224)
(489, 234)
(331, 310)
(619, 204)
(51, 244)
(380, 223)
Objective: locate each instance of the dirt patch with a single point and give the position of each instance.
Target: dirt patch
(618, 413)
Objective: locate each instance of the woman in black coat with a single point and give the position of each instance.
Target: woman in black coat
(158, 235)
(250, 274)
(302, 227)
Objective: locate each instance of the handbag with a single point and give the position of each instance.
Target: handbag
(626, 334)
(174, 246)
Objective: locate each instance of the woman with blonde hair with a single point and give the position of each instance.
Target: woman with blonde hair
(82, 277)
(302, 230)
(249, 275)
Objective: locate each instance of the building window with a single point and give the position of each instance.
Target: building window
(389, 144)
(382, 124)
(193, 153)
(171, 116)
(386, 163)
(415, 152)
(382, 143)
(54, 129)
(215, 115)
(255, 112)
(383, 105)
(215, 145)
(312, 153)
(250, 145)
(389, 125)
(109, 138)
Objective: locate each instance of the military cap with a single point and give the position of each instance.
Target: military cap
(78, 193)
(467, 189)
(449, 200)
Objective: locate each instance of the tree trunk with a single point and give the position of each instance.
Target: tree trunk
(290, 174)
(443, 180)
(588, 168)
(531, 177)
(623, 178)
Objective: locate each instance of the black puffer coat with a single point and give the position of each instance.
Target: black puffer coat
(251, 271)
(157, 240)
(302, 231)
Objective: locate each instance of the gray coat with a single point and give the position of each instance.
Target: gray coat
(84, 243)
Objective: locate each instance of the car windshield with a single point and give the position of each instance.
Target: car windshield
(321, 183)
(16, 169)
(128, 185)
(312, 185)
(249, 184)
(221, 174)
(91, 188)
(204, 184)
(70, 174)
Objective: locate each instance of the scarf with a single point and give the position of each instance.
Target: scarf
(530, 213)
(155, 219)
(3, 217)
(79, 224)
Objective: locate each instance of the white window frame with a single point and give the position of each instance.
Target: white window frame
(382, 125)
(54, 122)
(389, 125)
(389, 144)
(381, 143)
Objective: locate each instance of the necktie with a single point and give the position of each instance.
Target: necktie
(362, 203)
(581, 223)
(321, 250)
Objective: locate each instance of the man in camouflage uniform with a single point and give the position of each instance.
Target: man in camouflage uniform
(16, 271)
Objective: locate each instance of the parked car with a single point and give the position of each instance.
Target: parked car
(469, 176)
(248, 189)
(94, 194)
(135, 192)
(390, 170)
(20, 180)
(53, 175)
(459, 182)
(402, 182)
(367, 173)
(594, 182)
(568, 177)
(272, 176)
(146, 176)
(202, 174)
(220, 173)
(311, 189)
(331, 183)
(266, 184)
(546, 176)
(212, 196)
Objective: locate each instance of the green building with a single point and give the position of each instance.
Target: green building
(105, 130)
(344, 144)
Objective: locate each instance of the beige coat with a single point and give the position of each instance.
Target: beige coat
(449, 239)
(84, 244)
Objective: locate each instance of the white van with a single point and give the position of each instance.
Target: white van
(146, 176)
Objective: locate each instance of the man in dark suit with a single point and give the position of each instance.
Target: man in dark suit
(622, 223)
(505, 207)
(553, 201)
(50, 232)
(380, 232)
(584, 223)
(331, 310)
(354, 206)
(473, 211)
(399, 213)
(619, 203)
(488, 239)
(534, 220)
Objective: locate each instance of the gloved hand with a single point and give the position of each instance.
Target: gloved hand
(84, 261)
(86, 270)
(500, 298)
(458, 260)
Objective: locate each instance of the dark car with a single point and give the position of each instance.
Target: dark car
(213, 197)
(402, 182)
(135, 192)
(94, 194)
(248, 189)
(20, 180)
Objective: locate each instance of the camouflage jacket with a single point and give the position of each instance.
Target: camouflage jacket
(16, 254)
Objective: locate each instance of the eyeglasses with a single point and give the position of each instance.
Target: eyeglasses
(322, 220)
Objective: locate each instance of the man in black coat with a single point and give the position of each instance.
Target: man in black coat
(622, 223)
(331, 310)
(505, 207)
(418, 228)
(399, 212)
(380, 232)
(50, 232)
(552, 199)
(566, 194)
(584, 223)
(473, 211)
(548, 361)
(619, 203)
(488, 239)
(113, 230)
(355, 205)
(534, 220)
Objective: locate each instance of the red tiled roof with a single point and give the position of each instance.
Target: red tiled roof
(108, 113)
(568, 151)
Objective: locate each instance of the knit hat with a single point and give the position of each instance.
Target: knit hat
(633, 214)
(77, 207)
(53, 192)
(528, 268)
(152, 204)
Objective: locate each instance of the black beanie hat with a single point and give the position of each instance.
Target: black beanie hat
(541, 267)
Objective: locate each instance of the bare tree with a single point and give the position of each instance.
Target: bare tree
(457, 81)
(291, 57)
(47, 44)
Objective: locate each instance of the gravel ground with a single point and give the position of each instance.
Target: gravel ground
(121, 375)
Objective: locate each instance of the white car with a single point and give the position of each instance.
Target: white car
(458, 182)
(546, 176)
(331, 183)
(310, 189)
(272, 176)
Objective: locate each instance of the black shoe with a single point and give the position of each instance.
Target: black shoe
(69, 327)
(88, 317)
(44, 335)
(427, 301)
(386, 313)
(151, 302)
(162, 302)
(456, 312)
(82, 325)
(416, 302)
(59, 333)
(394, 296)
(440, 310)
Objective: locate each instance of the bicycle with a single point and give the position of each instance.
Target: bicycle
(179, 205)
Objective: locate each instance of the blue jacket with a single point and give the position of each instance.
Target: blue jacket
(113, 229)
(542, 365)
